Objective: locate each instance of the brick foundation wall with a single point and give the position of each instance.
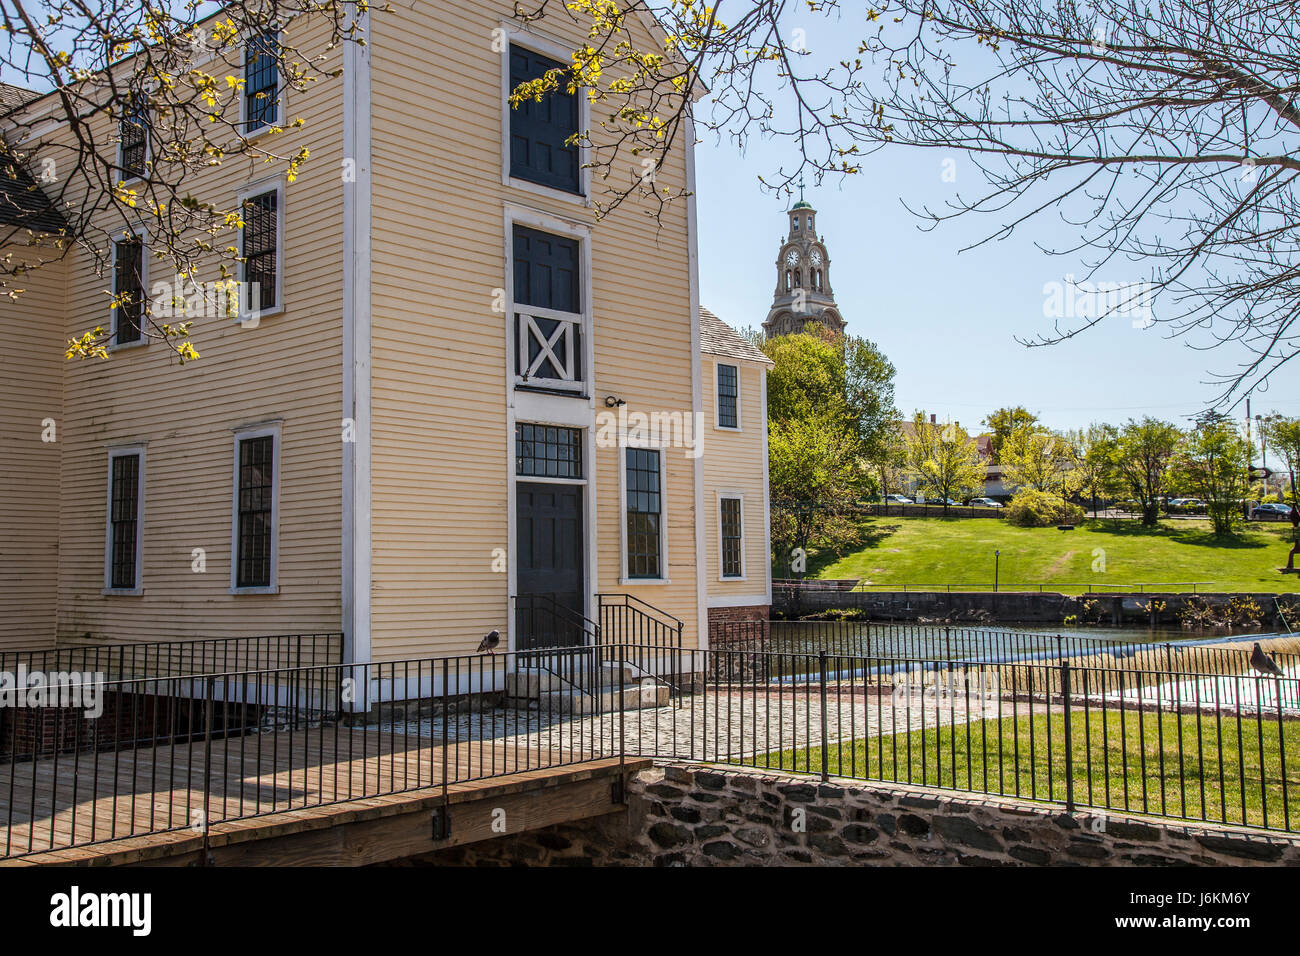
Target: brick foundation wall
(685, 815)
(126, 718)
(751, 612)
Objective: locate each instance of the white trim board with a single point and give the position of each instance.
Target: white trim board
(356, 521)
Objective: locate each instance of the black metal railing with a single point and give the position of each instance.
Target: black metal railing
(178, 658)
(654, 636)
(109, 759)
(113, 758)
(1037, 587)
(1211, 747)
(993, 645)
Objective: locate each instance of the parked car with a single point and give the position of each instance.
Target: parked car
(985, 503)
(1273, 509)
(898, 500)
(943, 501)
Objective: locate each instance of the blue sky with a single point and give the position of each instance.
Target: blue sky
(948, 321)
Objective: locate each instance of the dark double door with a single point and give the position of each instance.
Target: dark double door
(550, 569)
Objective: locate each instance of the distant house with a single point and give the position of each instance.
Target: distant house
(993, 484)
(738, 579)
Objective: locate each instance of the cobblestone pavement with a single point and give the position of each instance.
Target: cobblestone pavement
(719, 725)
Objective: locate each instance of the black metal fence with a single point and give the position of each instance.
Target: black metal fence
(180, 658)
(102, 760)
(108, 759)
(1209, 747)
(990, 645)
(1087, 587)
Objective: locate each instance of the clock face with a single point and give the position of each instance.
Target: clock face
(792, 257)
(816, 257)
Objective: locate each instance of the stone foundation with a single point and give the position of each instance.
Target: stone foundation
(689, 815)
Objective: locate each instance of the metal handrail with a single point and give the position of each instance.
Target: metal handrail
(645, 606)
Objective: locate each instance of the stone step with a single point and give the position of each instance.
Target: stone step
(574, 701)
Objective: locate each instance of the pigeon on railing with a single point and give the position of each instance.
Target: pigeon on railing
(1263, 663)
(492, 640)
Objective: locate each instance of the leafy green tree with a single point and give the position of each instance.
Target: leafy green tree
(839, 385)
(1003, 422)
(816, 482)
(1283, 436)
(1094, 453)
(1141, 455)
(1039, 460)
(945, 460)
(808, 378)
(1213, 461)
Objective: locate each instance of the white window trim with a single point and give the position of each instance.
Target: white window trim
(534, 219)
(139, 232)
(623, 579)
(557, 50)
(717, 398)
(744, 571)
(241, 433)
(276, 184)
(120, 451)
(281, 100)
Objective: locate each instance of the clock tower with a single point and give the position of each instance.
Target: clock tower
(803, 285)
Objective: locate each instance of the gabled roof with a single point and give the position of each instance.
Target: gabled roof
(12, 97)
(718, 338)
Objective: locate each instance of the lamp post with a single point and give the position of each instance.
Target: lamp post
(997, 560)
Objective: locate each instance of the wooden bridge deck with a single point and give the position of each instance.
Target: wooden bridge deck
(89, 807)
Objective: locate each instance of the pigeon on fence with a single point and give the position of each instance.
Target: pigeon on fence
(1263, 663)
(491, 640)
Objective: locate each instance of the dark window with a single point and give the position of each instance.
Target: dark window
(128, 289)
(732, 565)
(728, 392)
(539, 131)
(261, 243)
(134, 130)
(544, 451)
(644, 514)
(124, 521)
(547, 275)
(261, 79)
(256, 493)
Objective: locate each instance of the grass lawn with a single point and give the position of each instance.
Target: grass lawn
(959, 551)
(1117, 759)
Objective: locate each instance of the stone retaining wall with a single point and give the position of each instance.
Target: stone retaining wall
(682, 814)
(1011, 607)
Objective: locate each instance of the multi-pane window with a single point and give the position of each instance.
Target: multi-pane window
(644, 514)
(548, 309)
(733, 565)
(255, 512)
(128, 289)
(546, 451)
(124, 522)
(133, 127)
(540, 130)
(261, 245)
(261, 79)
(728, 394)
